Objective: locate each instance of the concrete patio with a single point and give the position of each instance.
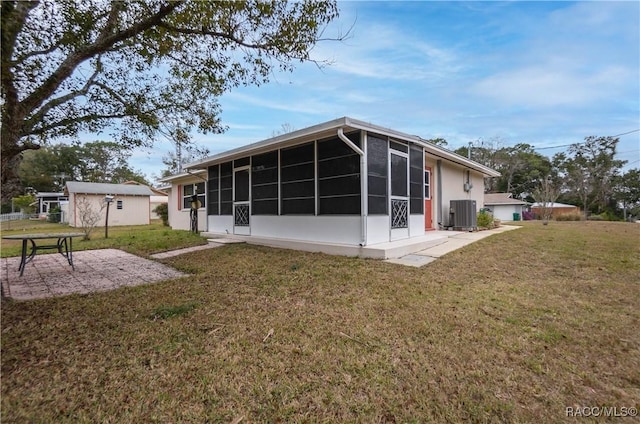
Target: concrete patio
(50, 275)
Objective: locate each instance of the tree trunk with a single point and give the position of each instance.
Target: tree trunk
(10, 182)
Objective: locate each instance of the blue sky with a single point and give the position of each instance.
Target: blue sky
(543, 73)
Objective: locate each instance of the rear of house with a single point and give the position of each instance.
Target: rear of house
(341, 182)
(130, 204)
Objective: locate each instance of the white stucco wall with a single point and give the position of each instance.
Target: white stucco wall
(179, 218)
(135, 209)
(154, 202)
(453, 178)
(505, 212)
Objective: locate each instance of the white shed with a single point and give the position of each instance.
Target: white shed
(130, 206)
(503, 206)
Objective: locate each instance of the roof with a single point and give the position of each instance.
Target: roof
(554, 205)
(105, 188)
(49, 194)
(198, 173)
(328, 129)
(154, 190)
(501, 199)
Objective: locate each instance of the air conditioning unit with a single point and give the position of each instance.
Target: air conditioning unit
(463, 215)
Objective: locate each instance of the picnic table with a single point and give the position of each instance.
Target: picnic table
(63, 245)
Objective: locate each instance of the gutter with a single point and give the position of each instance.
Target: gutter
(363, 176)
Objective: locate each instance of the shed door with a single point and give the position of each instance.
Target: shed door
(399, 198)
(241, 201)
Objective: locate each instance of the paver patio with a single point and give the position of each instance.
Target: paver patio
(50, 275)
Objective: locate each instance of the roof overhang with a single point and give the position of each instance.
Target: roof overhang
(329, 129)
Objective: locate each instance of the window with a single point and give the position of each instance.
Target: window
(416, 173)
(339, 176)
(213, 208)
(119, 204)
(297, 179)
(189, 190)
(264, 184)
(377, 163)
(427, 185)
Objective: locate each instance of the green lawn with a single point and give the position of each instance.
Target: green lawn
(138, 239)
(514, 328)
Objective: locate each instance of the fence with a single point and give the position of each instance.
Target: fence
(15, 216)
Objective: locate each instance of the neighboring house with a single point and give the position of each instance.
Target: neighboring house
(343, 182)
(157, 198)
(46, 201)
(130, 205)
(557, 209)
(504, 207)
(181, 188)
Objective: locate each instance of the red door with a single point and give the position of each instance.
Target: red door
(428, 213)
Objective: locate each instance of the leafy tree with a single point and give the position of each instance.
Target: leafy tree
(438, 141)
(48, 168)
(589, 171)
(25, 203)
(70, 66)
(627, 192)
(521, 168)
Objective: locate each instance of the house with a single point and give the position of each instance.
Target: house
(180, 188)
(157, 198)
(503, 206)
(556, 209)
(130, 203)
(47, 201)
(342, 182)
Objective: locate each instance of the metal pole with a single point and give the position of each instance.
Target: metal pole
(106, 222)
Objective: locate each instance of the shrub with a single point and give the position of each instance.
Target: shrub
(54, 215)
(163, 212)
(572, 216)
(485, 220)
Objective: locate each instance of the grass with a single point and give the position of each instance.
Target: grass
(514, 328)
(138, 239)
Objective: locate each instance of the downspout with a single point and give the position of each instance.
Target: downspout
(206, 196)
(363, 175)
(439, 190)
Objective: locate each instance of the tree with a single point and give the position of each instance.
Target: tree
(438, 141)
(25, 203)
(85, 66)
(627, 192)
(546, 193)
(285, 128)
(88, 215)
(48, 168)
(589, 171)
(173, 162)
(520, 166)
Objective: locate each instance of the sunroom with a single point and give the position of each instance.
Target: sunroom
(344, 182)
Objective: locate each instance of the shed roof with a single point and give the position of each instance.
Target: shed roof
(330, 128)
(501, 199)
(554, 205)
(105, 188)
